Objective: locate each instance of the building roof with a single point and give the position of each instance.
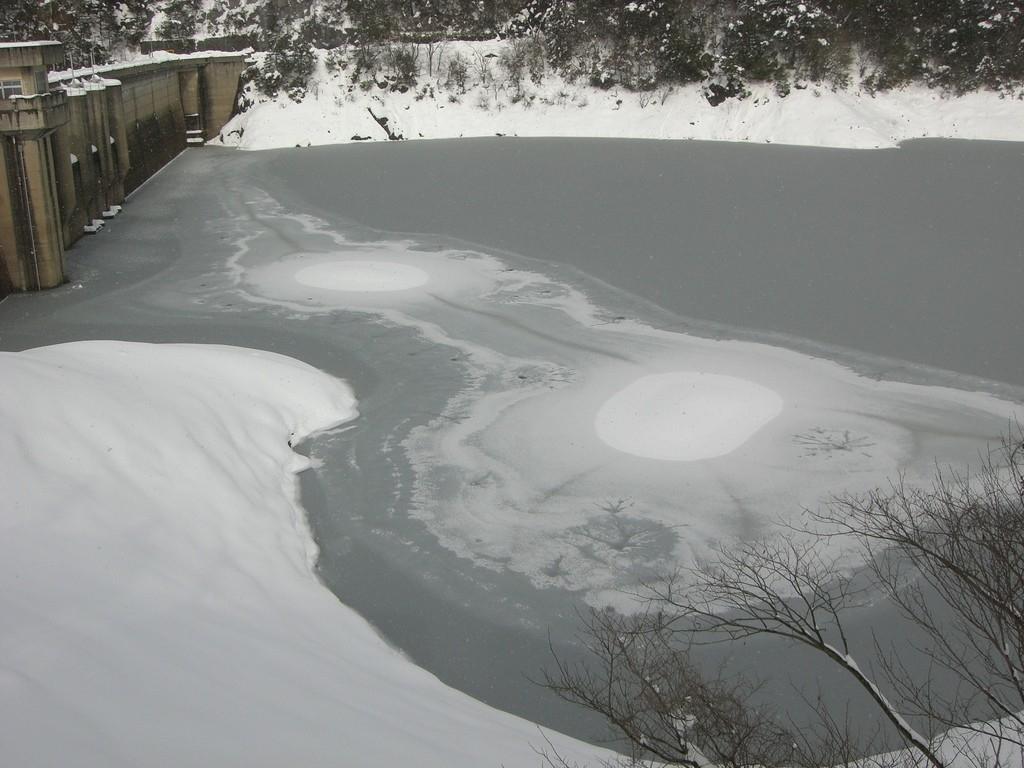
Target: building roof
(31, 53)
(30, 43)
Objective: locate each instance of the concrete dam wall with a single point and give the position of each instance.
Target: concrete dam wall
(75, 146)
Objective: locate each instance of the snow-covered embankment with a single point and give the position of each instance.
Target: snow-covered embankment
(159, 603)
(337, 109)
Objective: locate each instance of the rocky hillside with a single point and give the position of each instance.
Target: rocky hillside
(474, 88)
(643, 45)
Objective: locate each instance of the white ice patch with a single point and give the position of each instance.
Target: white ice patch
(374, 276)
(362, 276)
(685, 416)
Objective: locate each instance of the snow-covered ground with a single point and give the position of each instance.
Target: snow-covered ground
(159, 603)
(991, 743)
(337, 110)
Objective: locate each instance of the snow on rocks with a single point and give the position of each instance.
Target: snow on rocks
(160, 605)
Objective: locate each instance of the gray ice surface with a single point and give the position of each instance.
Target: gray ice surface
(899, 263)
(915, 254)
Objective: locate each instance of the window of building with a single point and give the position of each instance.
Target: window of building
(10, 88)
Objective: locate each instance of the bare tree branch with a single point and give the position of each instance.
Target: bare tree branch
(950, 558)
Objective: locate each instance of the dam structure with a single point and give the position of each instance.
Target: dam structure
(75, 144)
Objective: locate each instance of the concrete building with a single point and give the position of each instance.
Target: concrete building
(75, 145)
(31, 241)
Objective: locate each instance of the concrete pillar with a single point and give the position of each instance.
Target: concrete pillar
(37, 216)
(220, 90)
(191, 101)
(67, 196)
(74, 137)
(10, 264)
(119, 133)
(99, 150)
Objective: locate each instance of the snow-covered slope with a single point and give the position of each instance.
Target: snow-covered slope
(336, 110)
(159, 604)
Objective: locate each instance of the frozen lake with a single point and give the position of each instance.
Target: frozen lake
(594, 361)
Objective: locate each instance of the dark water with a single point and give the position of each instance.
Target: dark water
(912, 256)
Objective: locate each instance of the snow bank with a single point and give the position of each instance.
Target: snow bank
(685, 416)
(992, 742)
(336, 110)
(159, 603)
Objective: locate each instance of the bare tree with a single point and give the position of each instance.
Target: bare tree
(839, 739)
(435, 52)
(950, 558)
(404, 62)
(784, 587)
(458, 72)
(645, 685)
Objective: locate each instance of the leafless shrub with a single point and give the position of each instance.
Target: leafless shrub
(644, 684)
(458, 72)
(435, 52)
(403, 61)
(951, 558)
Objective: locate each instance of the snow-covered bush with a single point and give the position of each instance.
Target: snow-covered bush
(767, 38)
(403, 61)
(180, 19)
(336, 59)
(521, 58)
(366, 61)
(287, 66)
(958, 45)
(683, 54)
(458, 72)
(90, 30)
(979, 44)
(371, 20)
(560, 25)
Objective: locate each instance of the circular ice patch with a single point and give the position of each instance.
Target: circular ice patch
(362, 276)
(685, 416)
